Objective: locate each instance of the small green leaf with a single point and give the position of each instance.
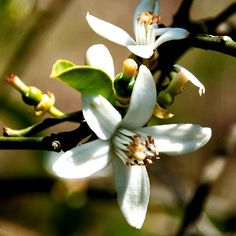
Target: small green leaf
(85, 79)
(60, 66)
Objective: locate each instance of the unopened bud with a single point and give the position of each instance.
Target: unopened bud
(33, 96)
(124, 81)
(130, 68)
(17, 83)
(165, 99)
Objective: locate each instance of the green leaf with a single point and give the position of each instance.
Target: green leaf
(85, 79)
(60, 66)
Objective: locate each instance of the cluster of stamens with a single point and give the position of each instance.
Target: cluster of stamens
(148, 18)
(144, 32)
(135, 149)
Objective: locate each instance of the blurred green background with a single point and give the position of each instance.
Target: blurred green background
(33, 35)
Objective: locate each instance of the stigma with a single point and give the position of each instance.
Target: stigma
(134, 148)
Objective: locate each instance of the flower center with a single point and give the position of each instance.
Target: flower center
(147, 18)
(145, 28)
(134, 148)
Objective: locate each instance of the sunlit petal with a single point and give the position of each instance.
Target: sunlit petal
(83, 161)
(178, 139)
(109, 31)
(99, 56)
(144, 51)
(100, 115)
(189, 76)
(171, 34)
(133, 190)
(142, 102)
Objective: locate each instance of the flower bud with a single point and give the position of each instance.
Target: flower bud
(124, 82)
(165, 99)
(122, 86)
(33, 96)
(130, 68)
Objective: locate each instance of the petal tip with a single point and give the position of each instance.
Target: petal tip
(208, 133)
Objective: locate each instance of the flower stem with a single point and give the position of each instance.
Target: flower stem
(36, 128)
(55, 112)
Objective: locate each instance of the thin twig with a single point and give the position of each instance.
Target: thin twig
(49, 122)
(62, 141)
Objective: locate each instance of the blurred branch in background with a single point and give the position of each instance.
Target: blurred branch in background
(42, 18)
(210, 174)
(208, 25)
(204, 34)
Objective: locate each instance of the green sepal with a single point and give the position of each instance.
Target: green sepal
(122, 86)
(85, 79)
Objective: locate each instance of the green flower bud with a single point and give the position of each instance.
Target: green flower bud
(122, 86)
(33, 96)
(165, 99)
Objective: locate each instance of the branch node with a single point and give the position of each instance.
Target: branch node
(56, 145)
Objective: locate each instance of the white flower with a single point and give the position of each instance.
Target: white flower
(126, 144)
(145, 29)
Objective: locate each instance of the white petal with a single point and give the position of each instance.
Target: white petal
(133, 190)
(144, 51)
(142, 102)
(160, 31)
(191, 78)
(83, 161)
(141, 38)
(100, 115)
(109, 31)
(178, 139)
(99, 56)
(150, 35)
(171, 34)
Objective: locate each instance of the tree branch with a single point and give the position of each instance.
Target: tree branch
(183, 13)
(62, 141)
(213, 23)
(222, 44)
(25, 143)
(202, 26)
(49, 122)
